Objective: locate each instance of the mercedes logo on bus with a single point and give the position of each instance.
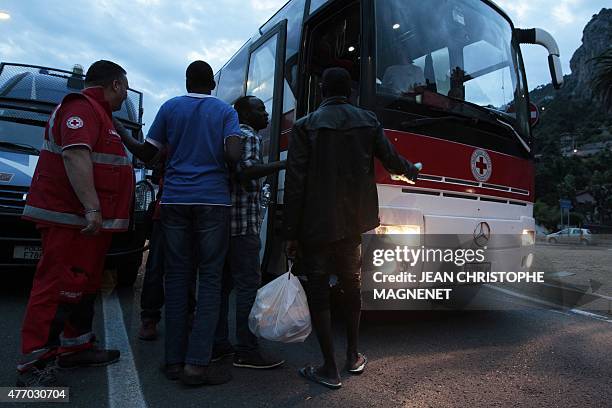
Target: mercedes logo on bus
(482, 233)
(481, 165)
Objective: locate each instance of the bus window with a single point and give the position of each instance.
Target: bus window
(315, 4)
(435, 68)
(334, 43)
(488, 67)
(463, 51)
(293, 12)
(232, 81)
(217, 76)
(260, 83)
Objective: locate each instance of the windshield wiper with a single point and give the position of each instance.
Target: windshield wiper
(461, 111)
(20, 147)
(485, 115)
(494, 117)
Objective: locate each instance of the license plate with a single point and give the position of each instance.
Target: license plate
(27, 252)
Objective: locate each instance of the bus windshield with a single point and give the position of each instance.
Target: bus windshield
(458, 52)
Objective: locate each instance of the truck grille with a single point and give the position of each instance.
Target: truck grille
(12, 198)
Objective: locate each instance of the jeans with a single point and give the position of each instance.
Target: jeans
(342, 258)
(152, 296)
(206, 227)
(243, 274)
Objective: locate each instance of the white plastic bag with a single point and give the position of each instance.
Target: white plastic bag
(280, 311)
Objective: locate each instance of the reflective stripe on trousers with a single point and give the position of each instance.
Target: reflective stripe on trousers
(71, 219)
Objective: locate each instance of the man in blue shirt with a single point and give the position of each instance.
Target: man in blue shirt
(201, 134)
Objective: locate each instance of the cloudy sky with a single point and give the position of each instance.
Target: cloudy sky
(154, 40)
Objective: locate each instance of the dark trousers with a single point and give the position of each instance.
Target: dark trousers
(342, 258)
(206, 227)
(152, 296)
(241, 273)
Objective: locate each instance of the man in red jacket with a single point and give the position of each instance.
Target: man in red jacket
(81, 192)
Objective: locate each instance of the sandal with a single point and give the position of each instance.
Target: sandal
(310, 373)
(358, 367)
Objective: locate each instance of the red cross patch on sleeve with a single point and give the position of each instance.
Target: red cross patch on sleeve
(74, 122)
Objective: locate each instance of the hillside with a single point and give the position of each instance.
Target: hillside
(574, 137)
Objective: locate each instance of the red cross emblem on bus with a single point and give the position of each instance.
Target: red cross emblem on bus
(481, 165)
(74, 122)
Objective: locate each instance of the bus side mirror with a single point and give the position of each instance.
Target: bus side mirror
(556, 72)
(543, 38)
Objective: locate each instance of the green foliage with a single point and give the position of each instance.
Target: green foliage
(567, 122)
(560, 177)
(546, 215)
(602, 79)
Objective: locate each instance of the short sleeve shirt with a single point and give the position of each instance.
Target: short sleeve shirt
(77, 123)
(194, 128)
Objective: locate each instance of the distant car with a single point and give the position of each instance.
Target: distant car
(571, 236)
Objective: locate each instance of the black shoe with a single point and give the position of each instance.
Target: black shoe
(205, 375)
(172, 371)
(220, 354)
(148, 330)
(254, 359)
(88, 358)
(38, 377)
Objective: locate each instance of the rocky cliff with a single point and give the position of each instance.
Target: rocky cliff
(596, 38)
(573, 110)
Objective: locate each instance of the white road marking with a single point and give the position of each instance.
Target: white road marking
(591, 315)
(123, 382)
(555, 308)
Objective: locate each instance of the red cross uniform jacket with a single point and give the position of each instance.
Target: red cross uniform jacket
(82, 119)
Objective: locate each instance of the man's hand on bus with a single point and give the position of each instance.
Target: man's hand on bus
(291, 249)
(413, 171)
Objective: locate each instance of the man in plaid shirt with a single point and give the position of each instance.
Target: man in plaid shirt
(242, 263)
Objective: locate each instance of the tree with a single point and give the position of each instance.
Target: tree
(602, 80)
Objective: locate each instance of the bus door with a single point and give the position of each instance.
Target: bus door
(265, 81)
(333, 39)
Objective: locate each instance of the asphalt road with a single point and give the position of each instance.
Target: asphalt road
(531, 358)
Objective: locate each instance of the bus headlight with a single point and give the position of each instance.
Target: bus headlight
(398, 229)
(144, 195)
(528, 237)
